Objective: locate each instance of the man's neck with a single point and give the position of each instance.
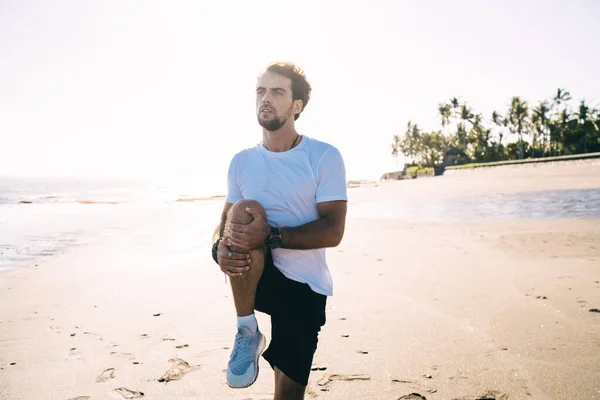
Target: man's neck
(280, 140)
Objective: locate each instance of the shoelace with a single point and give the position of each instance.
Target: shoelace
(244, 343)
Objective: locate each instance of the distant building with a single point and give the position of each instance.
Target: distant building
(454, 156)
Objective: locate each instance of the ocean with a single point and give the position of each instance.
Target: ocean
(43, 217)
(40, 217)
(539, 204)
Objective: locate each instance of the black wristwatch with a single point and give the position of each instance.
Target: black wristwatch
(274, 240)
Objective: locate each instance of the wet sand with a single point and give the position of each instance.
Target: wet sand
(445, 310)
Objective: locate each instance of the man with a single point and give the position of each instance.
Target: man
(286, 203)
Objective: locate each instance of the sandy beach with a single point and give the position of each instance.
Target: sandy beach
(450, 310)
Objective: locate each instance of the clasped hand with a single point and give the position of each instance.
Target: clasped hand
(243, 239)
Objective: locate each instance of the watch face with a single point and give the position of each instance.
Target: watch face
(274, 241)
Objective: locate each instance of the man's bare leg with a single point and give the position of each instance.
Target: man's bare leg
(287, 389)
(244, 287)
(242, 368)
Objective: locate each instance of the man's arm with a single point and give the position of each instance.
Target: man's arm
(327, 231)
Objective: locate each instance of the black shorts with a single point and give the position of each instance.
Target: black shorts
(297, 315)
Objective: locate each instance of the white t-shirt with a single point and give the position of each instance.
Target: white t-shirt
(289, 185)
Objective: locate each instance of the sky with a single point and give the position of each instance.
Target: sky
(155, 88)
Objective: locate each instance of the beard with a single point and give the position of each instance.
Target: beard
(274, 123)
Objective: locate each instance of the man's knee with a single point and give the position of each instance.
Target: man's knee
(239, 215)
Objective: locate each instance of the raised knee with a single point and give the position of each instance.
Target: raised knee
(239, 214)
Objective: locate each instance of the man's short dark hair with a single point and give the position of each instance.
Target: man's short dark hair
(300, 87)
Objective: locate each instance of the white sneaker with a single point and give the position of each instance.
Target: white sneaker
(242, 369)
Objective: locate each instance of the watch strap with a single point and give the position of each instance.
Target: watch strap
(215, 248)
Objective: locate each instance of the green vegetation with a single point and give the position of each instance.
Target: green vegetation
(549, 128)
(414, 171)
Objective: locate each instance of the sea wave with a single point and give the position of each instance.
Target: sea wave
(67, 200)
(27, 191)
(185, 199)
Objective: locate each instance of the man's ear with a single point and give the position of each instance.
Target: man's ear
(298, 105)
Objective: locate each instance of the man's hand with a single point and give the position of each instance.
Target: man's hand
(232, 263)
(248, 237)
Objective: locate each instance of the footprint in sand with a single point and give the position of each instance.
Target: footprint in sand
(168, 339)
(178, 370)
(144, 336)
(56, 329)
(415, 385)
(182, 346)
(326, 380)
(412, 396)
(125, 393)
(106, 375)
(74, 354)
(127, 356)
(489, 395)
(268, 397)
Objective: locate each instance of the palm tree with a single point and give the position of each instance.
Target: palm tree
(517, 119)
(404, 146)
(479, 137)
(561, 96)
(500, 122)
(445, 112)
(454, 103)
(396, 143)
(539, 118)
(466, 115)
(559, 120)
(410, 144)
(587, 123)
(455, 109)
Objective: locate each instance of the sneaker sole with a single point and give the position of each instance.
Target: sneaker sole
(263, 344)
